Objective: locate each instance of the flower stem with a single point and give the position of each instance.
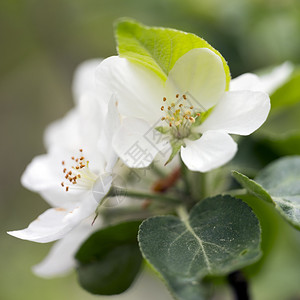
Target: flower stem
(114, 192)
(130, 213)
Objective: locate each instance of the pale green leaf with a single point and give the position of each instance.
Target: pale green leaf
(158, 48)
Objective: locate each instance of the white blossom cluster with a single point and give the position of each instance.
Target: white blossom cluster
(124, 110)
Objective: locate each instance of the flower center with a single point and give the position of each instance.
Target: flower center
(180, 116)
(78, 175)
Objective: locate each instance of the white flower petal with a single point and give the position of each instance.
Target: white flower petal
(42, 176)
(84, 78)
(55, 223)
(39, 173)
(238, 112)
(212, 150)
(137, 143)
(247, 81)
(48, 227)
(139, 90)
(91, 113)
(81, 127)
(60, 259)
(63, 132)
(200, 74)
(111, 124)
(277, 77)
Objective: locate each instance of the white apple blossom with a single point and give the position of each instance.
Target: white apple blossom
(73, 176)
(60, 259)
(191, 110)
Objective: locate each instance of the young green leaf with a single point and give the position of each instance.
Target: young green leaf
(278, 183)
(110, 259)
(221, 234)
(158, 48)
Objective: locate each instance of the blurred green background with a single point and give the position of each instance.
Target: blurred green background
(41, 44)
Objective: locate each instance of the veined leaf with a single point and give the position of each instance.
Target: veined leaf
(158, 48)
(221, 234)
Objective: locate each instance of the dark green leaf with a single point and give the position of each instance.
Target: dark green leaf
(220, 235)
(110, 259)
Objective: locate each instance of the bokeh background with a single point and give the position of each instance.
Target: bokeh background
(42, 42)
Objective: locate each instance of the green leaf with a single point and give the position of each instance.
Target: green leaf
(221, 234)
(110, 259)
(280, 182)
(253, 187)
(158, 48)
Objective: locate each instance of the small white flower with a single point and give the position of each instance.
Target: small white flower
(72, 177)
(191, 110)
(66, 178)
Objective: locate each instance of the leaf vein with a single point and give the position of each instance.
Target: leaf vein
(200, 242)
